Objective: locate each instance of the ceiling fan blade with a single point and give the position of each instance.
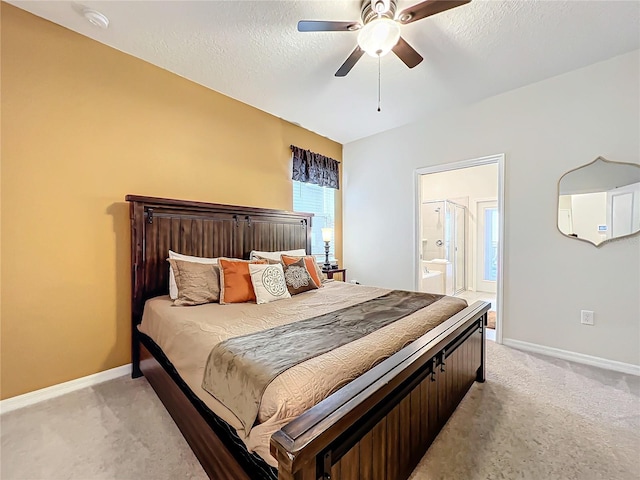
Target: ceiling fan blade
(350, 62)
(406, 53)
(326, 26)
(428, 8)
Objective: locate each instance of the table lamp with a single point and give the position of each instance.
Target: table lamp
(326, 238)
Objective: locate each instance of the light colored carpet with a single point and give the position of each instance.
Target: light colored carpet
(540, 418)
(535, 418)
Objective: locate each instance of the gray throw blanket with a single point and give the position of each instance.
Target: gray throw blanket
(239, 369)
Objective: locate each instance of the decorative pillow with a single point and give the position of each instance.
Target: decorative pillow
(268, 282)
(235, 280)
(310, 262)
(275, 256)
(268, 260)
(298, 278)
(173, 288)
(197, 283)
(321, 274)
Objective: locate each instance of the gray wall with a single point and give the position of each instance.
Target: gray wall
(544, 129)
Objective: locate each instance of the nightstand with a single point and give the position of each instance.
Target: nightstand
(331, 271)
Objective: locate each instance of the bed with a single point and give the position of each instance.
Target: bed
(377, 426)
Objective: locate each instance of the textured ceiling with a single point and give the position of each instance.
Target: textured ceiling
(251, 51)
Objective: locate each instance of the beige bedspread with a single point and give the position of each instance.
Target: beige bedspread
(187, 334)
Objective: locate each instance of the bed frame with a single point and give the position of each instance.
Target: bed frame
(376, 427)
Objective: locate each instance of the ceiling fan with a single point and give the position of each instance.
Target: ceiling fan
(379, 29)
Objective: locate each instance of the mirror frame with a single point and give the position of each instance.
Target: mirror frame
(599, 159)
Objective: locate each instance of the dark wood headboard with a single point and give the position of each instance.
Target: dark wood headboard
(204, 230)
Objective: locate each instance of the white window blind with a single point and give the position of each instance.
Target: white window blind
(320, 201)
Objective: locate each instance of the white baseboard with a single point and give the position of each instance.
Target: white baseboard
(53, 391)
(574, 356)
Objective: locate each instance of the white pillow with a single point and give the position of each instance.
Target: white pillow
(173, 287)
(268, 282)
(301, 252)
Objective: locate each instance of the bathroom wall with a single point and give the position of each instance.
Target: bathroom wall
(433, 219)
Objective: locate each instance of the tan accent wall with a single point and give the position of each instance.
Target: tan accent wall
(82, 126)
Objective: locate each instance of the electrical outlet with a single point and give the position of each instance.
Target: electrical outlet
(586, 317)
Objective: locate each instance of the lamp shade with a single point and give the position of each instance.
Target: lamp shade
(379, 36)
(326, 234)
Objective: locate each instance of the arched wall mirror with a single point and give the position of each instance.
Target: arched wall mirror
(600, 201)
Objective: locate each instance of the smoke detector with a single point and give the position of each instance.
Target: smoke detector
(95, 18)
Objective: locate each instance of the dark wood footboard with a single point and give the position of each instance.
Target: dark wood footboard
(381, 424)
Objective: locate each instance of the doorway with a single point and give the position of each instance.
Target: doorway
(460, 231)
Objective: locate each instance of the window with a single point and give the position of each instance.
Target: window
(320, 201)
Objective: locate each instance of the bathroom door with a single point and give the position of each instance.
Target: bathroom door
(487, 248)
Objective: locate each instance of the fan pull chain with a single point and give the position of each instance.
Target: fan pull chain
(378, 82)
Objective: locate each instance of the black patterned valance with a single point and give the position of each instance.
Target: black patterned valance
(310, 167)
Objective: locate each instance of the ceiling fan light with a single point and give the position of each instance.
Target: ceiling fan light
(379, 36)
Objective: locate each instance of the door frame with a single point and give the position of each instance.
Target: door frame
(498, 159)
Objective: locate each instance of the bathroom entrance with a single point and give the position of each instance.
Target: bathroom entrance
(459, 231)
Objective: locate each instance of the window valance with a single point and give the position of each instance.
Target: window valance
(310, 167)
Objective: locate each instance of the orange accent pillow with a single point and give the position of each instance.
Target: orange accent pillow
(309, 262)
(235, 280)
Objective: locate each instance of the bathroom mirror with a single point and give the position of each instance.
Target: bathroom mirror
(600, 201)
